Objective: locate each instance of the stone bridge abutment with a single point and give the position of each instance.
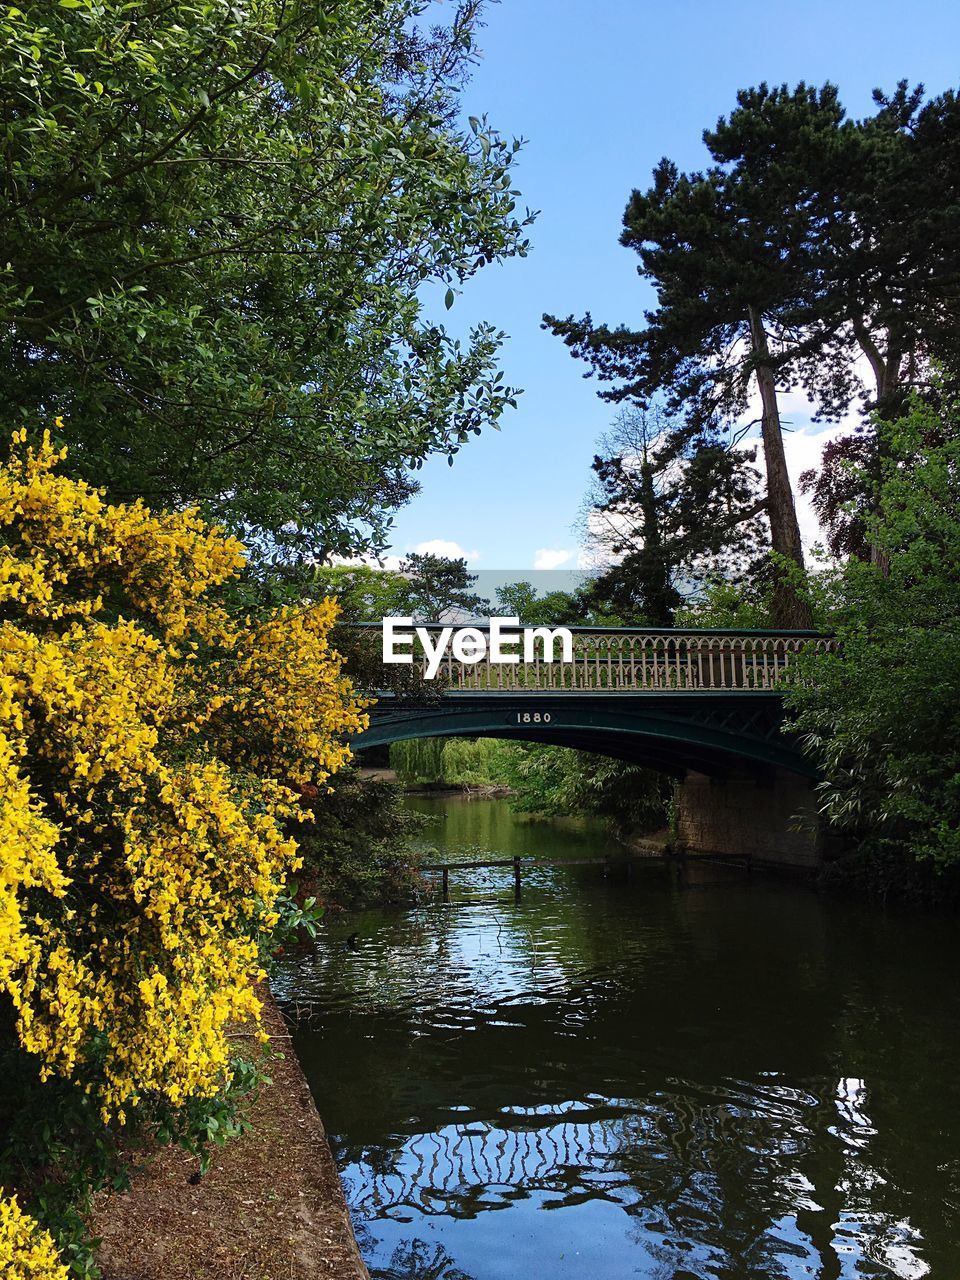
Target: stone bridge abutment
(769, 818)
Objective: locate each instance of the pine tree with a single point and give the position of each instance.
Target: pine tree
(811, 241)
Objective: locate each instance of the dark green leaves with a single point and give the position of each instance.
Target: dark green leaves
(219, 221)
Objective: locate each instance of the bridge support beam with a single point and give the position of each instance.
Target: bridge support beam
(770, 819)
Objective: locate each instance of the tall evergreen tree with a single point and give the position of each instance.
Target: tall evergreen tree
(890, 259)
(716, 333)
(806, 245)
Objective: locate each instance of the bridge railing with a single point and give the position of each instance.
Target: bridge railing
(635, 660)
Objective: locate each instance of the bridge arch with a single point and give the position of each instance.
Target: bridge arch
(714, 734)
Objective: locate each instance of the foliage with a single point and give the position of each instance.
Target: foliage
(440, 587)
(425, 587)
(880, 716)
(586, 605)
(472, 762)
(221, 225)
(358, 848)
(364, 594)
(743, 605)
(542, 778)
(843, 488)
(557, 780)
(418, 760)
(723, 260)
(535, 609)
(150, 746)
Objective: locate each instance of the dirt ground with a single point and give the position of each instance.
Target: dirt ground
(270, 1208)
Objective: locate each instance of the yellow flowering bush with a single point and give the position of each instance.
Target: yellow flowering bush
(27, 1252)
(151, 747)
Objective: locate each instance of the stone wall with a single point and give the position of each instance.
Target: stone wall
(751, 817)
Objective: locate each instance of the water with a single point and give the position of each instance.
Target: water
(671, 1075)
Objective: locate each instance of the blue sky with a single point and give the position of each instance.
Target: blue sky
(601, 91)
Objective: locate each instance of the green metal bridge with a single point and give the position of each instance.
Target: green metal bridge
(709, 701)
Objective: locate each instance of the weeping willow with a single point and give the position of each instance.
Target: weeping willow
(463, 761)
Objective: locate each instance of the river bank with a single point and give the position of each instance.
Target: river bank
(488, 790)
(271, 1206)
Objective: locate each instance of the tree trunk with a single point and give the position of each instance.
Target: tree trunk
(888, 406)
(658, 588)
(789, 609)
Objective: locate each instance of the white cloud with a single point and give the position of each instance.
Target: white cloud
(550, 558)
(446, 548)
(369, 560)
(803, 448)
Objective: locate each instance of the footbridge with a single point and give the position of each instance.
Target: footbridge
(674, 700)
(705, 706)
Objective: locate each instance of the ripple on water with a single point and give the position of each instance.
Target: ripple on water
(736, 1080)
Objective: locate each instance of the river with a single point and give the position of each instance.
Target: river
(660, 1072)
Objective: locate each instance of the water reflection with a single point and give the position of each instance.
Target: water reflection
(708, 1077)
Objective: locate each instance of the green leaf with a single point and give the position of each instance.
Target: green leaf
(251, 295)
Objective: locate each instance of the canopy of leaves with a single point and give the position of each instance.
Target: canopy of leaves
(534, 608)
(218, 223)
(882, 714)
(823, 225)
(557, 780)
(358, 849)
(426, 587)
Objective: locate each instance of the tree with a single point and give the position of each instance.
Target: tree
(675, 505)
(548, 779)
(551, 608)
(797, 251)
(363, 593)
(425, 587)
(358, 847)
(441, 588)
(880, 713)
(152, 751)
(720, 279)
(221, 224)
(843, 490)
(879, 198)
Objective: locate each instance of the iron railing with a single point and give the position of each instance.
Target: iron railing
(633, 660)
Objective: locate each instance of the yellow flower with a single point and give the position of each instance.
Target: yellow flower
(165, 737)
(27, 1252)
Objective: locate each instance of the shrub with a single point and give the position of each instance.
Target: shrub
(881, 714)
(357, 850)
(417, 760)
(151, 751)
